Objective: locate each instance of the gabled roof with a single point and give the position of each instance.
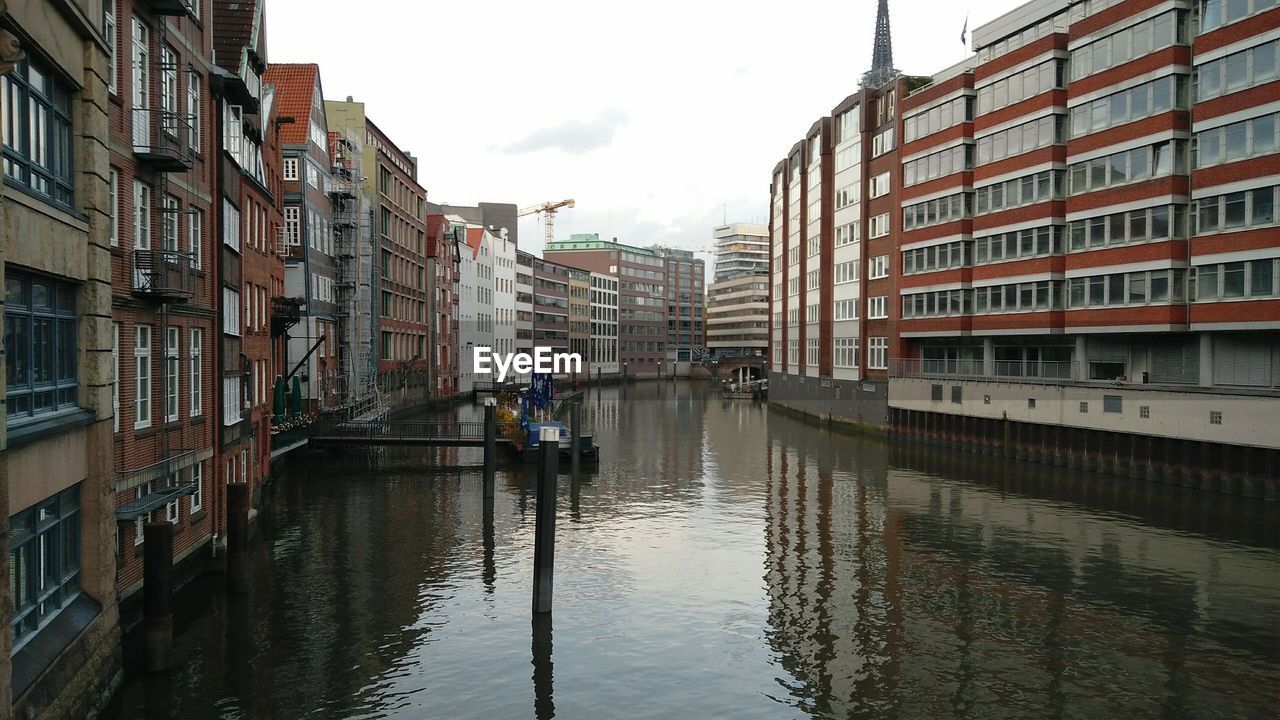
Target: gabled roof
(234, 23)
(295, 91)
(475, 236)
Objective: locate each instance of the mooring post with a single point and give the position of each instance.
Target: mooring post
(157, 594)
(490, 443)
(575, 432)
(544, 706)
(544, 539)
(238, 501)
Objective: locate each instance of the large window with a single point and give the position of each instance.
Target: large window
(1033, 135)
(1150, 98)
(878, 353)
(937, 211)
(937, 118)
(1134, 226)
(1236, 280)
(939, 164)
(1019, 244)
(937, 303)
(197, 371)
(142, 376)
(1130, 43)
(44, 562)
(1158, 287)
(169, 90)
(1129, 166)
(1236, 71)
(193, 109)
(937, 257)
(231, 225)
(40, 345)
(1237, 210)
(115, 376)
(1022, 85)
(232, 400)
(113, 191)
(195, 227)
(1026, 190)
(1236, 141)
(230, 311)
(171, 345)
(37, 130)
(1018, 297)
(1216, 13)
(109, 34)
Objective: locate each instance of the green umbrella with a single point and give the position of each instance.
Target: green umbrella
(277, 402)
(296, 404)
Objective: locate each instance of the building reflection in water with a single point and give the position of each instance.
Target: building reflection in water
(945, 586)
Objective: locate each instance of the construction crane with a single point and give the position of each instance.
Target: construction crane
(548, 210)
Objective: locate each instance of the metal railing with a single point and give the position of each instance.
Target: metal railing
(407, 431)
(163, 138)
(1038, 372)
(165, 274)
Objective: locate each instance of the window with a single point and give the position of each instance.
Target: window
(171, 508)
(1157, 287)
(290, 169)
(232, 400)
(231, 225)
(40, 344)
(1020, 86)
(880, 225)
(954, 159)
(172, 336)
(1216, 13)
(1018, 297)
(847, 234)
(115, 377)
(880, 185)
(1128, 44)
(937, 211)
(1247, 138)
(37, 130)
(1236, 71)
(109, 34)
(937, 118)
(1158, 223)
(1151, 98)
(938, 303)
(1018, 244)
(879, 267)
(1129, 166)
(196, 371)
(1026, 190)
(847, 309)
(142, 377)
(877, 308)
(1237, 280)
(197, 484)
(169, 90)
(878, 353)
(195, 227)
(848, 195)
(937, 257)
(44, 562)
(1029, 136)
(846, 272)
(169, 224)
(230, 311)
(1237, 210)
(882, 143)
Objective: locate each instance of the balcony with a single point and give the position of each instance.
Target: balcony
(163, 275)
(177, 8)
(285, 313)
(161, 139)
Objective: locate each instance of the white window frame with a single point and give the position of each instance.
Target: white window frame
(172, 509)
(115, 377)
(877, 307)
(230, 225)
(196, 370)
(289, 169)
(141, 215)
(113, 192)
(109, 34)
(879, 267)
(142, 376)
(230, 311)
(878, 353)
(194, 100)
(140, 522)
(197, 482)
(232, 405)
(172, 341)
(292, 225)
(195, 230)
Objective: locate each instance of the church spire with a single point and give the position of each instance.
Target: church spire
(882, 70)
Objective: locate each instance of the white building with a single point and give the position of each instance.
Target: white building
(475, 300)
(504, 290)
(603, 358)
(738, 300)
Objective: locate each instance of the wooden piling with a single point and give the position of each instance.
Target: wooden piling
(238, 502)
(575, 432)
(490, 444)
(157, 594)
(544, 541)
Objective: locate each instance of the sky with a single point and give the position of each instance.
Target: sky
(661, 119)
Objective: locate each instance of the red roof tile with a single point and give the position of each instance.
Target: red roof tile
(475, 236)
(295, 85)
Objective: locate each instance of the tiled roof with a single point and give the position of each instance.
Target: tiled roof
(295, 85)
(232, 30)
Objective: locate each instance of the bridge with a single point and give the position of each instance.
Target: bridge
(402, 432)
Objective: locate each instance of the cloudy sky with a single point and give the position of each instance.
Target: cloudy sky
(660, 118)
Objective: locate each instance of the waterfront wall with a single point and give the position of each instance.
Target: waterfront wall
(862, 406)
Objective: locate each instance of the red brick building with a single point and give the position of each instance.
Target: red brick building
(249, 269)
(443, 261)
(164, 157)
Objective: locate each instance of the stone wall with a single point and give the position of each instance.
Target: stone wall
(860, 405)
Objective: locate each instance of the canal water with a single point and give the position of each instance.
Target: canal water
(727, 561)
